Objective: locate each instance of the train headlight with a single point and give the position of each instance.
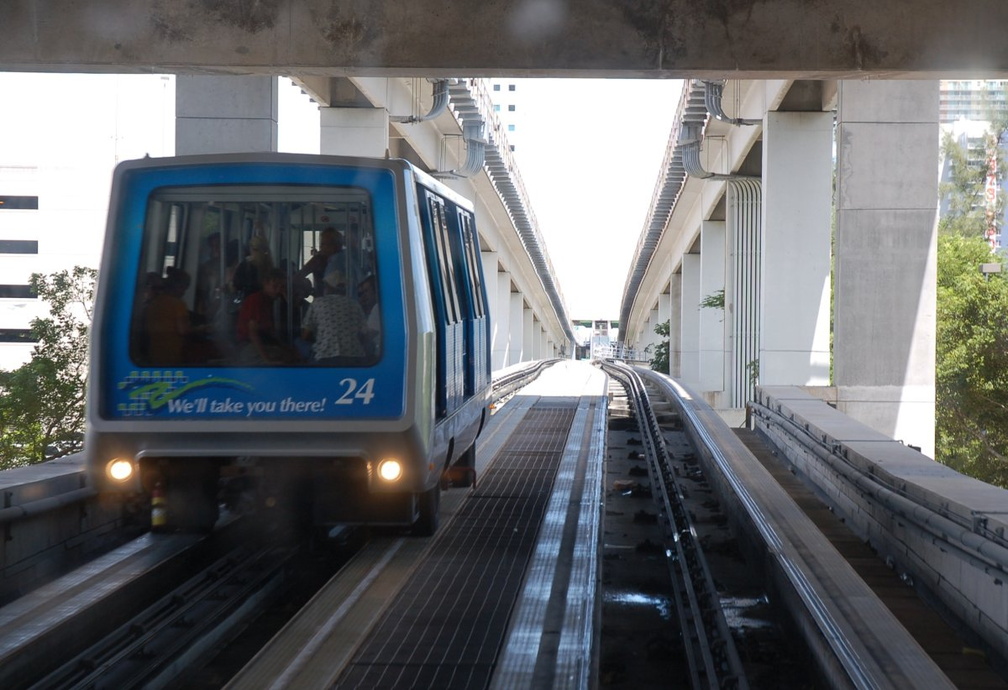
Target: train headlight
(390, 469)
(119, 469)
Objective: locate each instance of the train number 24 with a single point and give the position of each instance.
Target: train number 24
(352, 392)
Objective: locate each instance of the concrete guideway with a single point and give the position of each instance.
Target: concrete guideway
(679, 38)
(529, 535)
(473, 607)
(754, 174)
(945, 532)
(854, 637)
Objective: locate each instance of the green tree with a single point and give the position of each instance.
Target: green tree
(660, 359)
(42, 402)
(971, 377)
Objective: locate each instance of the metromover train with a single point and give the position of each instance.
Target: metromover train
(311, 329)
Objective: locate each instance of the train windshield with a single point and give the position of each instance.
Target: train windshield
(251, 276)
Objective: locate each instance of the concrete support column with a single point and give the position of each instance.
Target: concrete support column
(665, 313)
(225, 114)
(528, 334)
(675, 325)
(536, 336)
(886, 238)
(689, 320)
(653, 320)
(795, 275)
(489, 262)
(743, 289)
(354, 132)
(651, 339)
(501, 319)
(516, 328)
(642, 339)
(712, 321)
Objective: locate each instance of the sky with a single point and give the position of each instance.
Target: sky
(589, 152)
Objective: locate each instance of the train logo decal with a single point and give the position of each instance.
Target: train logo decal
(154, 390)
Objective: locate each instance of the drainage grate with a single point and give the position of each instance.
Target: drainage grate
(447, 625)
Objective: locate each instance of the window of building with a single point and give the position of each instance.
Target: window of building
(511, 87)
(511, 108)
(496, 108)
(16, 335)
(18, 247)
(511, 128)
(16, 292)
(9, 203)
(496, 87)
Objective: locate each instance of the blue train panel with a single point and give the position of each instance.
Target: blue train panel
(253, 290)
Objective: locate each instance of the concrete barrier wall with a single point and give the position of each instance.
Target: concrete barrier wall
(943, 531)
(50, 521)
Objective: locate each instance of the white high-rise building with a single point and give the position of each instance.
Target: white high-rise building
(967, 110)
(506, 97)
(62, 134)
(971, 99)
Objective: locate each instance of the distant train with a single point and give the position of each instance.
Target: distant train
(312, 329)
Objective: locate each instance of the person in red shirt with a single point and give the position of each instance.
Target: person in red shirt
(256, 330)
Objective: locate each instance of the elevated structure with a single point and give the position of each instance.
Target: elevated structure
(785, 342)
(678, 38)
(444, 126)
(738, 252)
(450, 128)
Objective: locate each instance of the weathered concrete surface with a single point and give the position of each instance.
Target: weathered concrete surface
(946, 530)
(639, 38)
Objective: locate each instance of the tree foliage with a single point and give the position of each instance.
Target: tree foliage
(963, 190)
(968, 211)
(660, 357)
(715, 300)
(971, 376)
(42, 402)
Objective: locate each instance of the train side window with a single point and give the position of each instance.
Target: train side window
(472, 259)
(447, 271)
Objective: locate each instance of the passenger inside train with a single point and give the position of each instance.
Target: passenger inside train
(334, 324)
(308, 270)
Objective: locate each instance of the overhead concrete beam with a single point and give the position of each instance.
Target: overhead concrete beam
(847, 39)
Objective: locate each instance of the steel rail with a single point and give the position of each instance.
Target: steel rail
(506, 384)
(165, 639)
(710, 649)
(833, 631)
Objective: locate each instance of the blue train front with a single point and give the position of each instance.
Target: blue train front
(311, 332)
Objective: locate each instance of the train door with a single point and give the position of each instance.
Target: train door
(450, 325)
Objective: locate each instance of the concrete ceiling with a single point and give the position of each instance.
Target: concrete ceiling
(810, 39)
